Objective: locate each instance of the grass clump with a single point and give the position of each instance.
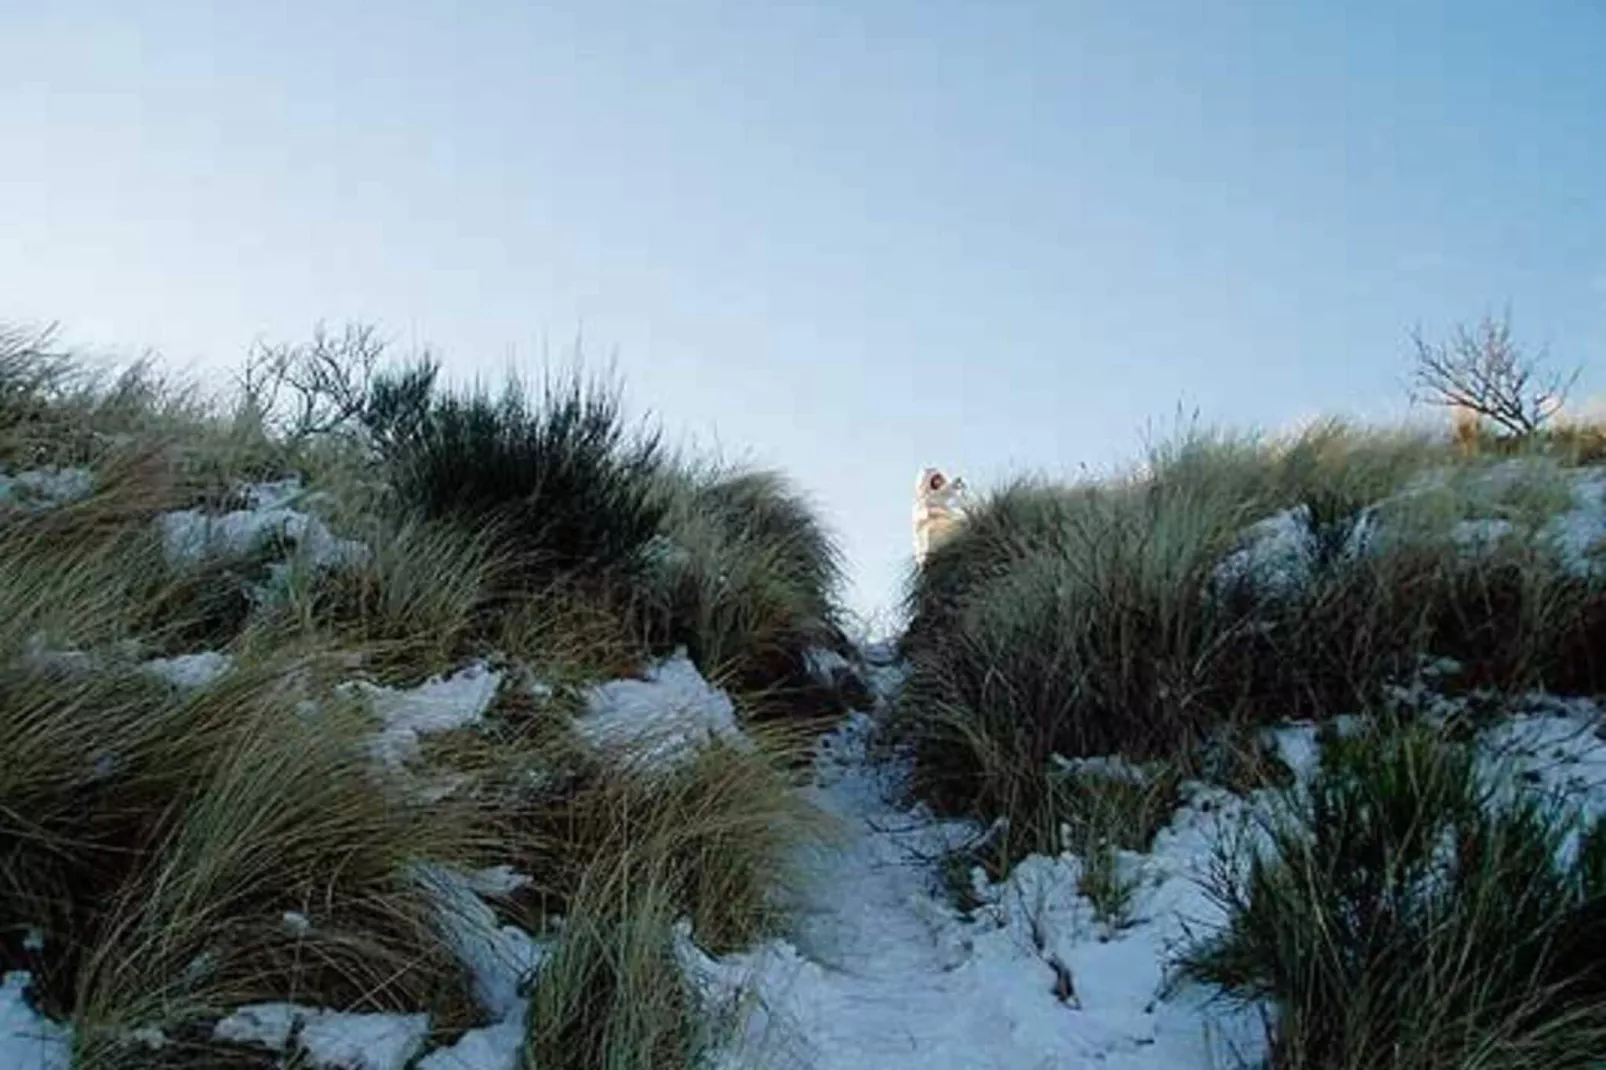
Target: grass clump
(613, 995)
(1401, 912)
(415, 604)
(168, 854)
(1095, 810)
(711, 841)
(1105, 809)
(157, 841)
(1228, 584)
(744, 576)
(718, 830)
(565, 485)
(1071, 627)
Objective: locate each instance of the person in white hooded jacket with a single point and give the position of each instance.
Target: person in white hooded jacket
(939, 509)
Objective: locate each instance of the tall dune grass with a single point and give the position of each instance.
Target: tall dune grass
(745, 576)
(1106, 618)
(1399, 912)
(168, 855)
(559, 477)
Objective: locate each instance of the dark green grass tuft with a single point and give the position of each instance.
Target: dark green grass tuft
(560, 478)
(745, 577)
(1097, 620)
(1400, 913)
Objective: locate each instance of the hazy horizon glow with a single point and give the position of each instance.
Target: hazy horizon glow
(841, 239)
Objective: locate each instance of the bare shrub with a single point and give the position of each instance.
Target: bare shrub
(1483, 374)
(313, 388)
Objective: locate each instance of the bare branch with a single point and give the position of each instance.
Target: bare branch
(1483, 372)
(314, 389)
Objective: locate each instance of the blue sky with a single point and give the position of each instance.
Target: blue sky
(846, 239)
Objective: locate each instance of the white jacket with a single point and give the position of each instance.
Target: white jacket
(938, 510)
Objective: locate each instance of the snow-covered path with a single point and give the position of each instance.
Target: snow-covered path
(881, 971)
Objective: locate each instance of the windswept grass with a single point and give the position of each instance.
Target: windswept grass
(415, 605)
(560, 479)
(716, 832)
(1145, 616)
(745, 577)
(1400, 912)
(169, 855)
(713, 841)
(613, 996)
(156, 841)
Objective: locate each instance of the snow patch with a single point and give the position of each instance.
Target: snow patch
(825, 665)
(495, 1047)
(188, 672)
(1554, 746)
(661, 720)
(1579, 535)
(1274, 555)
(149, 1037)
(28, 1040)
(45, 488)
(880, 970)
(266, 1025)
(363, 1041)
(1104, 767)
(190, 536)
(1299, 747)
(1277, 555)
(280, 494)
(331, 1039)
(497, 881)
(437, 705)
(500, 957)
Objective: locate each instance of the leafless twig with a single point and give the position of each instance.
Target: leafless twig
(1482, 371)
(317, 388)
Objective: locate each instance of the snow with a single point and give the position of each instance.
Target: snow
(1297, 745)
(1105, 767)
(825, 664)
(881, 970)
(499, 957)
(657, 722)
(267, 1025)
(28, 1040)
(45, 488)
(497, 881)
(880, 652)
(437, 705)
(1579, 535)
(330, 1039)
(495, 1047)
(1554, 744)
(363, 1041)
(190, 671)
(1274, 554)
(149, 1037)
(191, 535)
(280, 494)
(1481, 535)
